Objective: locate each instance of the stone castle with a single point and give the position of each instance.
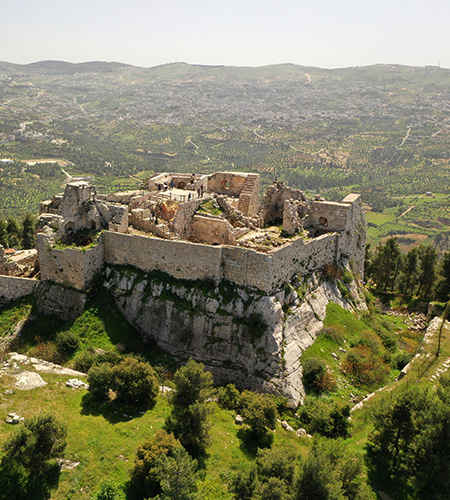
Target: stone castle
(198, 229)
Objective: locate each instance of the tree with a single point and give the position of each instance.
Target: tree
(411, 440)
(409, 271)
(188, 419)
(177, 476)
(134, 382)
(385, 264)
(443, 286)
(3, 234)
(427, 273)
(100, 380)
(13, 231)
(145, 481)
(259, 412)
(325, 418)
(28, 468)
(329, 472)
(28, 232)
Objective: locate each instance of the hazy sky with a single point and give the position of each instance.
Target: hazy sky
(325, 33)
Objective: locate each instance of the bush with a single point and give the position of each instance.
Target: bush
(134, 382)
(100, 380)
(85, 360)
(28, 468)
(108, 490)
(314, 370)
(400, 360)
(259, 412)
(366, 367)
(47, 351)
(329, 419)
(228, 397)
(67, 342)
(144, 482)
(188, 419)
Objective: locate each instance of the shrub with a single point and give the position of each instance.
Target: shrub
(259, 412)
(134, 382)
(314, 370)
(100, 381)
(67, 342)
(85, 360)
(144, 482)
(334, 332)
(228, 397)
(108, 490)
(329, 419)
(28, 468)
(366, 367)
(47, 351)
(400, 360)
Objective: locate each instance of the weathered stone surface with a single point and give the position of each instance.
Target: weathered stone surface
(62, 302)
(75, 383)
(246, 339)
(25, 380)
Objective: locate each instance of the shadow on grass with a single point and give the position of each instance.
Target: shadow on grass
(17, 484)
(381, 480)
(112, 411)
(251, 442)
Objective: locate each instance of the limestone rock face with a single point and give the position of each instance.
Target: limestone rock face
(242, 336)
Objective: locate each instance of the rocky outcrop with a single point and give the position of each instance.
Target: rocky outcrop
(242, 336)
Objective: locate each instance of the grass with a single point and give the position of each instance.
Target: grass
(12, 314)
(343, 330)
(101, 326)
(104, 441)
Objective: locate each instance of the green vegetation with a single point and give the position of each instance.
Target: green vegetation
(190, 410)
(28, 467)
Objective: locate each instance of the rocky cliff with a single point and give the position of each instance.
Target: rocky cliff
(242, 336)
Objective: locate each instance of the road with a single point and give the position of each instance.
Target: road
(406, 137)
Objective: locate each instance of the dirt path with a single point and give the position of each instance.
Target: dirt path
(406, 137)
(406, 211)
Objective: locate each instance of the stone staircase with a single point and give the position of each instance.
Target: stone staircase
(247, 195)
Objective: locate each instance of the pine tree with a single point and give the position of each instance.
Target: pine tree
(28, 232)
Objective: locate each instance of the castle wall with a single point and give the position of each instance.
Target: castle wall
(211, 230)
(178, 258)
(330, 215)
(299, 257)
(13, 288)
(69, 266)
(352, 242)
(230, 183)
(246, 267)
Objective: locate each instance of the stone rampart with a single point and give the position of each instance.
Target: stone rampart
(13, 288)
(301, 257)
(70, 267)
(246, 267)
(180, 259)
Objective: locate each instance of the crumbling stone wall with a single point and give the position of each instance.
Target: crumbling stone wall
(70, 267)
(272, 207)
(14, 288)
(352, 241)
(212, 230)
